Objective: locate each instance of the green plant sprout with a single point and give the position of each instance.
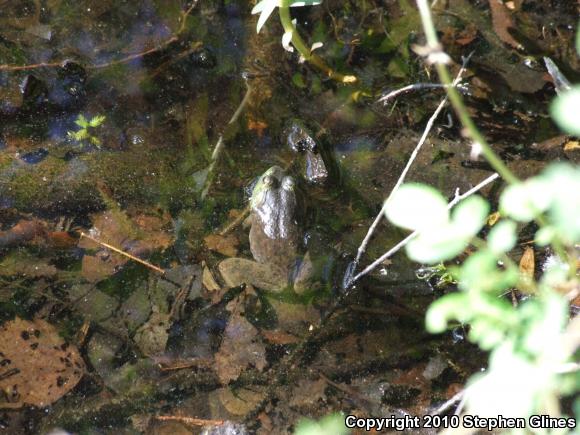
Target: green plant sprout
(86, 130)
(291, 35)
(442, 275)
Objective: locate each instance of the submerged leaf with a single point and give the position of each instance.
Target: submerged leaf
(38, 367)
(241, 347)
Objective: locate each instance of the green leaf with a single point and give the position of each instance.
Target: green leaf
(565, 109)
(97, 120)
(417, 206)
(542, 322)
(502, 236)
(470, 215)
(449, 307)
(265, 9)
(298, 80)
(520, 380)
(524, 201)
(480, 273)
(332, 424)
(545, 235)
(95, 141)
(438, 244)
(78, 135)
(81, 121)
(564, 184)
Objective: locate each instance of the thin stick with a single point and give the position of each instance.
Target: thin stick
(220, 143)
(414, 234)
(415, 87)
(237, 221)
(444, 407)
(190, 420)
(126, 254)
(363, 246)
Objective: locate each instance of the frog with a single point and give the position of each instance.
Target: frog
(275, 239)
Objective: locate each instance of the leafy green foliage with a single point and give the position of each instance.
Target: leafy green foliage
(330, 425)
(526, 342)
(564, 110)
(441, 236)
(502, 236)
(266, 7)
(554, 191)
(85, 133)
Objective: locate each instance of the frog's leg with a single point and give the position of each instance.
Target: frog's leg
(238, 271)
(304, 275)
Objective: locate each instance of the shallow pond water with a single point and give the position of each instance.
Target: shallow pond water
(111, 115)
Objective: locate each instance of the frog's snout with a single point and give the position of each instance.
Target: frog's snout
(288, 183)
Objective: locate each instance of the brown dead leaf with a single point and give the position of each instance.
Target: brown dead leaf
(241, 348)
(209, 281)
(22, 232)
(226, 245)
(38, 367)
(502, 21)
(138, 236)
(276, 336)
(307, 392)
(151, 337)
(527, 262)
(60, 240)
(241, 401)
(572, 145)
(467, 35)
(258, 126)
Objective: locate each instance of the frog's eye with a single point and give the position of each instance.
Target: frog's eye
(269, 181)
(288, 183)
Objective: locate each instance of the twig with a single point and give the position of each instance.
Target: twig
(414, 234)
(445, 406)
(237, 221)
(415, 87)
(190, 420)
(220, 143)
(126, 254)
(461, 403)
(363, 246)
(434, 54)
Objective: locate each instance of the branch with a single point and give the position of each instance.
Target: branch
(414, 234)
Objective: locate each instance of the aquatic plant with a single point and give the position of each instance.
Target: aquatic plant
(291, 35)
(86, 132)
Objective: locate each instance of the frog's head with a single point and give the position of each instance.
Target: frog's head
(273, 203)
